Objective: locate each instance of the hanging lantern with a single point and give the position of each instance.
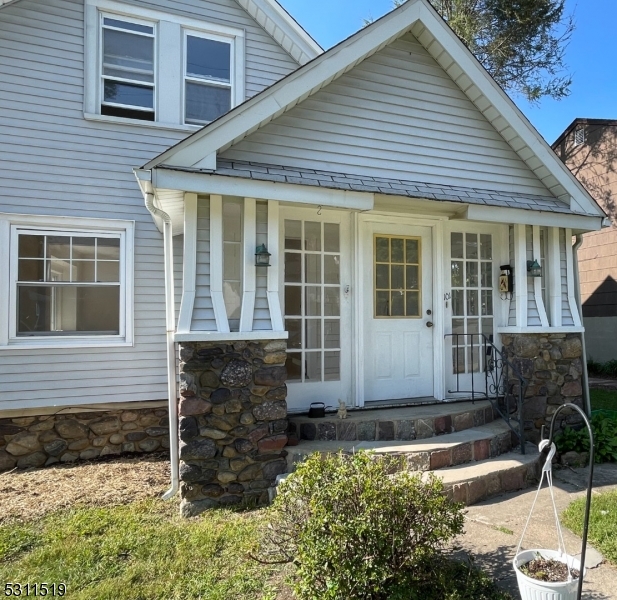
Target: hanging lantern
(262, 256)
(534, 269)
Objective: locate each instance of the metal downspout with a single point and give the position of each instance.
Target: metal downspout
(577, 288)
(170, 318)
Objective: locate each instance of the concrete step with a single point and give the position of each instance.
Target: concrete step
(478, 481)
(395, 424)
(464, 446)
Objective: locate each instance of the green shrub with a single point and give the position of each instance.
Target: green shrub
(604, 434)
(354, 528)
(607, 368)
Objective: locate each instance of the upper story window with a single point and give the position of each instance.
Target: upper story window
(127, 69)
(208, 76)
(143, 66)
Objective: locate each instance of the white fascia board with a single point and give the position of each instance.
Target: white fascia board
(287, 92)
(216, 336)
(497, 214)
(507, 109)
(277, 21)
(204, 183)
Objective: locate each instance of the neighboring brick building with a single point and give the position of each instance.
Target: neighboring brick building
(589, 148)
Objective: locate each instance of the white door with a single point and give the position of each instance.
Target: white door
(398, 312)
(315, 284)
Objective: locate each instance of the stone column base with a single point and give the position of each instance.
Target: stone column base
(552, 364)
(233, 422)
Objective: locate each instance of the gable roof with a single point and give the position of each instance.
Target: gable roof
(419, 17)
(277, 22)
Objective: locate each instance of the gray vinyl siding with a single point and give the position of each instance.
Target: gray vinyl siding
(261, 317)
(53, 162)
(533, 315)
(566, 314)
(397, 114)
(203, 313)
(512, 312)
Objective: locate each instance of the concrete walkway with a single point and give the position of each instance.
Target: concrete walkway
(493, 529)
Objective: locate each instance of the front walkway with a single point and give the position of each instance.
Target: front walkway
(493, 529)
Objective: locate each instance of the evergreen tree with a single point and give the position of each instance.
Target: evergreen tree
(521, 43)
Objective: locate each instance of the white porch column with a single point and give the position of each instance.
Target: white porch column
(520, 274)
(537, 281)
(216, 263)
(249, 244)
(274, 302)
(189, 270)
(554, 273)
(576, 317)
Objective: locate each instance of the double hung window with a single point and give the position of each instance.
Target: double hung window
(208, 76)
(66, 287)
(127, 69)
(174, 71)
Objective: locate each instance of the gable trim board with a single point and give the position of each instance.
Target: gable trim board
(417, 17)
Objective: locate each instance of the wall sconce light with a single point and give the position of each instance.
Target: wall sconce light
(533, 268)
(262, 256)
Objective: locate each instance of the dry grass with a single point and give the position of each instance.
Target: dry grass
(27, 495)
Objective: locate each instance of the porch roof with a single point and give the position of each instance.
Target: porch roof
(380, 185)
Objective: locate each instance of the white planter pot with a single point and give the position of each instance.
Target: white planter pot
(532, 589)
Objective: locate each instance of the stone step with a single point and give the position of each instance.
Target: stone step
(478, 481)
(475, 444)
(395, 424)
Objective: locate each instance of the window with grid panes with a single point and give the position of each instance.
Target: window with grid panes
(397, 277)
(471, 279)
(312, 300)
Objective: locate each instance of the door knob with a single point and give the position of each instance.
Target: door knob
(429, 324)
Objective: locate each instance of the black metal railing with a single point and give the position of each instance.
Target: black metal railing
(503, 385)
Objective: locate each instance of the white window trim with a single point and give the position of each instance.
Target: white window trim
(169, 61)
(9, 224)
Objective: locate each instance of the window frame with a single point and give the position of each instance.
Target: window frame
(101, 77)
(169, 61)
(186, 32)
(11, 226)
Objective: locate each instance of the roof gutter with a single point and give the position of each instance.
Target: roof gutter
(170, 318)
(577, 288)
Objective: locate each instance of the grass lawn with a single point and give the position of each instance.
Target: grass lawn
(143, 550)
(603, 399)
(602, 522)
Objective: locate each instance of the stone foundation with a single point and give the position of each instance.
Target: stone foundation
(38, 441)
(232, 424)
(552, 363)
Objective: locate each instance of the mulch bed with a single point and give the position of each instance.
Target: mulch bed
(31, 494)
(551, 571)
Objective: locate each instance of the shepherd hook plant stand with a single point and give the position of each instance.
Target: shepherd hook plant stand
(531, 588)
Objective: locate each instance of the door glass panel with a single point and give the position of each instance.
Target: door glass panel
(312, 293)
(397, 269)
(332, 269)
(313, 301)
(293, 300)
(293, 235)
(313, 268)
(472, 298)
(312, 236)
(331, 233)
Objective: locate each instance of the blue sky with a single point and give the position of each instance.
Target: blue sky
(591, 55)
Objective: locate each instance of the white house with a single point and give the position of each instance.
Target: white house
(391, 181)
